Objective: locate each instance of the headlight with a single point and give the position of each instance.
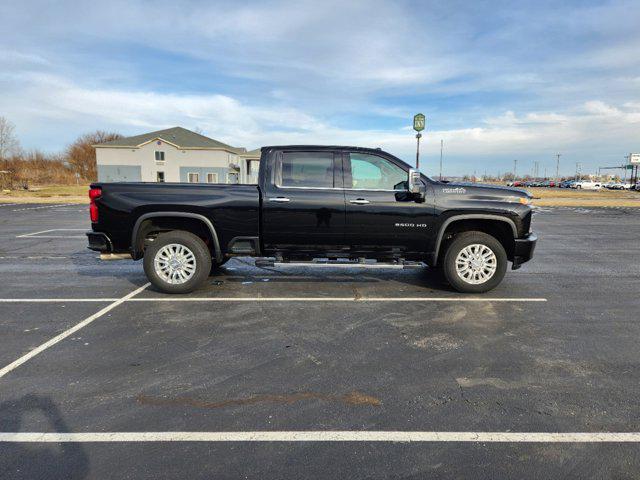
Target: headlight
(525, 200)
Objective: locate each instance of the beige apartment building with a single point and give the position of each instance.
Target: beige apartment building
(175, 155)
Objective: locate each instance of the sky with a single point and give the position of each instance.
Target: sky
(496, 80)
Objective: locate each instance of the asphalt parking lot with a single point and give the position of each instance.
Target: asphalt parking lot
(275, 351)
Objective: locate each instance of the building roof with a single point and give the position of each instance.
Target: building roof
(253, 153)
(178, 136)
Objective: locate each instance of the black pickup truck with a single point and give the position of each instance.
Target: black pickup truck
(316, 204)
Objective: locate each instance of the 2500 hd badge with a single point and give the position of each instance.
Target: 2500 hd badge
(411, 225)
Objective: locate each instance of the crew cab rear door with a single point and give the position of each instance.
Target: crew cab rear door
(382, 216)
(303, 205)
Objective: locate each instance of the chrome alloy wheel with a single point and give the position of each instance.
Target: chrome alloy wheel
(476, 264)
(175, 263)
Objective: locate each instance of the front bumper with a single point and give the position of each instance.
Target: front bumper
(99, 242)
(523, 251)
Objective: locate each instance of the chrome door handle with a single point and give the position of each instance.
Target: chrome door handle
(359, 201)
(279, 199)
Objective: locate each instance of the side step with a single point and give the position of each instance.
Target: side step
(400, 264)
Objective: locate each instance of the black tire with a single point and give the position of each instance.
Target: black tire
(463, 240)
(191, 242)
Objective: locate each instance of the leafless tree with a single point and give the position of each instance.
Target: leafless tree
(9, 144)
(82, 156)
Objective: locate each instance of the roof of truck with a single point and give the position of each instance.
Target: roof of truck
(322, 147)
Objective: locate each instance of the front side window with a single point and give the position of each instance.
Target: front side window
(306, 169)
(159, 156)
(193, 177)
(371, 172)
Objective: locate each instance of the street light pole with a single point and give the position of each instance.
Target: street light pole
(441, 144)
(557, 168)
(419, 122)
(515, 167)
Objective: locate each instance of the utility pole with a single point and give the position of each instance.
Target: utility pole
(515, 168)
(578, 176)
(441, 145)
(557, 168)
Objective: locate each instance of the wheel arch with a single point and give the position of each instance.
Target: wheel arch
(496, 225)
(140, 231)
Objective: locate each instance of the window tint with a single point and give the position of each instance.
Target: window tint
(370, 172)
(306, 169)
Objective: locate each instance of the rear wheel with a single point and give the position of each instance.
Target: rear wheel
(474, 262)
(177, 262)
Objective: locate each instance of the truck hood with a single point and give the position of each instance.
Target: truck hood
(492, 190)
(481, 192)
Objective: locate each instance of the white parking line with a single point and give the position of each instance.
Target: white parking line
(43, 206)
(39, 234)
(66, 333)
(274, 299)
(57, 300)
(326, 436)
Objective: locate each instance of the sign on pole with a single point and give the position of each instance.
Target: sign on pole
(418, 122)
(634, 158)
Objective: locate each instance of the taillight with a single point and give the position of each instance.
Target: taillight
(93, 208)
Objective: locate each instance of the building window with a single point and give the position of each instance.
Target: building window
(193, 177)
(160, 177)
(232, 178)
(212, 178)
(159, 156)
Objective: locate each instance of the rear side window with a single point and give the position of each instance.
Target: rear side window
(306, 169)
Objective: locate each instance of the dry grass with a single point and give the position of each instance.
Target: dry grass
(47, 194)
(551, 197)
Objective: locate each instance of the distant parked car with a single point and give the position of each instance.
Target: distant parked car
(584, 185)
(620, 186)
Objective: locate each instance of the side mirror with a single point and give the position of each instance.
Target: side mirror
(416, 185)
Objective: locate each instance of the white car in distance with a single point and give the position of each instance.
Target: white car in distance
(585, 185)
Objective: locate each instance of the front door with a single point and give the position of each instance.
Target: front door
(381, 215)
(303, 205)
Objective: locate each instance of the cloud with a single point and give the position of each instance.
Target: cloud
(228, 119)
(495, 80)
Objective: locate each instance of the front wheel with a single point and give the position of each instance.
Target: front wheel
(177, 262)
(475, 262)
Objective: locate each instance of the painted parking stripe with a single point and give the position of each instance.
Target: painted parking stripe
(57, 300)
(39, 234)
(273, 299)
(43, 206)
(15, 364)
(326, 436)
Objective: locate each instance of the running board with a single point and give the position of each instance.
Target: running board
(267, 262)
